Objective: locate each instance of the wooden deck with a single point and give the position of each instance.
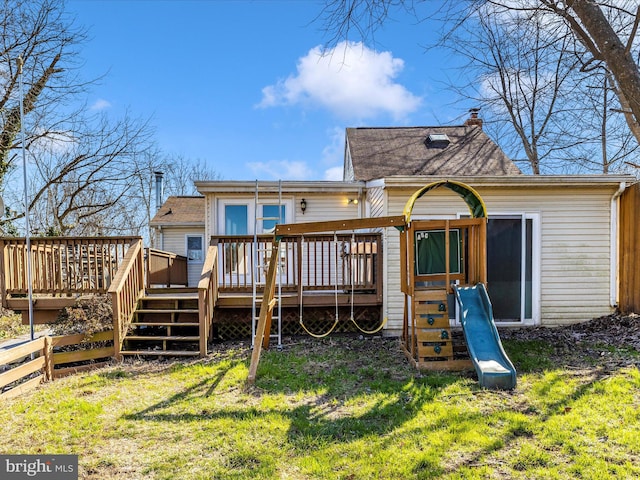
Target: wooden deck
(315, 270)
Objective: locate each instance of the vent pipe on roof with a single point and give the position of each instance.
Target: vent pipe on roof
(473, 119)
(159, 189)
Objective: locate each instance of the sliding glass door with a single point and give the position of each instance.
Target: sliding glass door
(510, 253)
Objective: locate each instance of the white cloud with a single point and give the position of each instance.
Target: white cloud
(100, 104)
(334, 173)
(334, 151)
(333, 154)
(280, 169)
(350, 80)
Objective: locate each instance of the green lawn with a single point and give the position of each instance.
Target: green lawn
(340, 408)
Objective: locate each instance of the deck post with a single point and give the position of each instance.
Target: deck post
(3, 272)
(265, 312)
(48, 358)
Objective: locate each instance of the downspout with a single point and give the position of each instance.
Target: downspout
(614, 265)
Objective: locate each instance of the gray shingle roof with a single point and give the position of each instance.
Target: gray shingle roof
(385, 152)
(180, 210)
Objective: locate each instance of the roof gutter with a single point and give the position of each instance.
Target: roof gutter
(512, 180)
(614, 264)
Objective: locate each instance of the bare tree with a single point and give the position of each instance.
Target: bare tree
(82, 165)
(41, 34)
(547, 67)
(78, 185)
(541, 107)
(521, 75)
(181, 173)
(609, 39)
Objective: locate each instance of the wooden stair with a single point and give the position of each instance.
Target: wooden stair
(165, 324)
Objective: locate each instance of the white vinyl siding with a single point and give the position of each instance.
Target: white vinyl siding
(574, 243)
(324, 208)
(375, 199)
(321, 208)
(574, 251)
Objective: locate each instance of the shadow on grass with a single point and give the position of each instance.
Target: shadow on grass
(342, 394)
(328, 389)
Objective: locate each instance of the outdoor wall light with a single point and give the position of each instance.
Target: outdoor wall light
(303, 205)
(353, 201)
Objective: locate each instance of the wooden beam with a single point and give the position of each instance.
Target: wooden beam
(265, 312)
(23, 387)
(339, 225)
(41, 303)
(21, 371)
(4, 273)
(20, 351)
(316, 299)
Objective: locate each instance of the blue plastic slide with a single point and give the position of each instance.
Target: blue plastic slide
(494, 369)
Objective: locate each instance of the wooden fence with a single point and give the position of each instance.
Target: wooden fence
(21, 374)
(629, 254)
(165, 268)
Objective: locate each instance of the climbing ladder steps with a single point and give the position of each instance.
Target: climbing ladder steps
(433, 332)
(433, 335)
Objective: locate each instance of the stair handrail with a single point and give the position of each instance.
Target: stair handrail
(125, 290)
(207, 295)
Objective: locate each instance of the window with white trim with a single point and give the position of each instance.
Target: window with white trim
(195, 251)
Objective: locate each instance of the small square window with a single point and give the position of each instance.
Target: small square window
(194, 248)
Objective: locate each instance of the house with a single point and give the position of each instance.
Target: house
(180, 228)
(552, 241)
(559, 249)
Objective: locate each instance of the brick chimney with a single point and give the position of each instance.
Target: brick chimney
(473, 119)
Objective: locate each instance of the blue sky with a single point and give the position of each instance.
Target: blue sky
(244, 86)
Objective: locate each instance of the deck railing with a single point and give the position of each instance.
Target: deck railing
(165, 268)
(318, 262)
(207, 295)
(61, 265)
(125, 291)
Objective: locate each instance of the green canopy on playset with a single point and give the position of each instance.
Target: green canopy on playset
(468, 194)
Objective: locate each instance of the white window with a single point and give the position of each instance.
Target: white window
(271, 217)
(195, 249)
